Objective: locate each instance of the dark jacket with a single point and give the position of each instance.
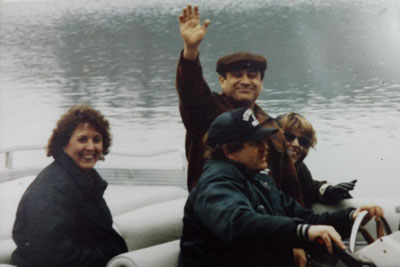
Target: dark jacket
(63, 220)
(309, 186)
(199, 107)
(236, 218)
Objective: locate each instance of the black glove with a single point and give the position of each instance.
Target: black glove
(335, 193)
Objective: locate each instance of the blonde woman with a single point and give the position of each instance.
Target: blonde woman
(300, 137)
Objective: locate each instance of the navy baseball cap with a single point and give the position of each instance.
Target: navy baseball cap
(238, 125)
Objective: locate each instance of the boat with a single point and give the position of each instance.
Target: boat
(146, 205)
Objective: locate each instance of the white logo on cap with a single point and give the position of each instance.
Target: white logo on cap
(246, 117)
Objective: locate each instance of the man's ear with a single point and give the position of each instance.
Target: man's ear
(222, 81)
(226, 153)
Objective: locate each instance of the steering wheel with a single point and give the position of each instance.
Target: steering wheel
(382, 227)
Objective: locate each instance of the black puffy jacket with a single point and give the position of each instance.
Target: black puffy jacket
(63, 220)
(309, 186)
(237, 218)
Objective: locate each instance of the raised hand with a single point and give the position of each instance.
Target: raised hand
(192, 31)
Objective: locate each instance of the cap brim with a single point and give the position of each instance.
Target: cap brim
(261, 133)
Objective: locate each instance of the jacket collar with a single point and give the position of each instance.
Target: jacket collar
(90, 183)
(249, 174)
(257, 110)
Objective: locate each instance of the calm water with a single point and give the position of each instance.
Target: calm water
(336, 62)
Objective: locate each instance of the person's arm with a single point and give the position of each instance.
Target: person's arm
(326, 228)
(341, 220)
(196, 101)
(331, 194)
(321, 191)
(225, 210)
(197, 104)
(328, 234)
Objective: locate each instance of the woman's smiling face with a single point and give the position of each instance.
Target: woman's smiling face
(85, 146)
(297, 150)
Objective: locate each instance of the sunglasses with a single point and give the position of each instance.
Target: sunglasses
(303, 141)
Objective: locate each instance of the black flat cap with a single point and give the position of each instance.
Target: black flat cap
(241, 60)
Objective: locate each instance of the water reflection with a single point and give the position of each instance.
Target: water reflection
(334, 61)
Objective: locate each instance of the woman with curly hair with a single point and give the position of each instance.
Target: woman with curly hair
(62, 218)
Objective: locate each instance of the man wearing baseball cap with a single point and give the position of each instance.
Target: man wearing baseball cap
(235, 216)
(240, 77)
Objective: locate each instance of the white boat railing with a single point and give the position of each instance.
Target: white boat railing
(9, 153)
(153, 153)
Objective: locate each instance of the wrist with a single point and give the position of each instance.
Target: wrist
(302, 232)
(190, 53)
(323, 188)
(353, 215)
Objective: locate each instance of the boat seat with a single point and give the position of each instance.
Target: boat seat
(10, 194)
(151, 225)
(143, 215)
(165, 255)
(7, 246)
(125, 198)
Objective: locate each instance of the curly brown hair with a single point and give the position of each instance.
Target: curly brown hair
(70, 120)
